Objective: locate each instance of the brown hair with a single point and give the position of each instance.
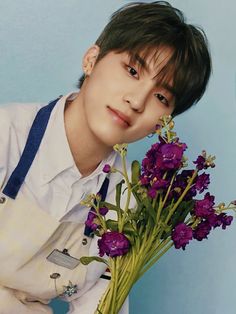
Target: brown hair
(140, 28)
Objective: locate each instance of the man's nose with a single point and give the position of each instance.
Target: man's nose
(136, 100)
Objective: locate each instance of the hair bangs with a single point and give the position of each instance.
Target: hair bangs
(166, 68)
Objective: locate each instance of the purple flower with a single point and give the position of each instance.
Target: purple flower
(179, 185)
(152, 193)
(160, 184)
(158, 127)
(148, 165)
(219, 220)
(214, 220)
(151, 152)
(106, 168)
(90, 221)
(226, 220)
(204, 208)
(186, 174)
(190, 194)
(113, 243)
(182, 178)
(103, 210)
(144, 180)
(157, 185)
(202, 182)
(200, 162)
(181, 235)
(202, 231)
(169, 156)
(161, 157)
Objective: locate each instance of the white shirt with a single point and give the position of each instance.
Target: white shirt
(53, 181)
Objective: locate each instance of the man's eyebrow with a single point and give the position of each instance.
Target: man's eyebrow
(169, 88)
(141, 61)
(144, 65)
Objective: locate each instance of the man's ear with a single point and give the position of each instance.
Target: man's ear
(90, 58)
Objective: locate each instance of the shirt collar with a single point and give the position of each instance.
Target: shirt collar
(54, 152)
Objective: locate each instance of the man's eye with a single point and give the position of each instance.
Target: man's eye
(162, 99)
(132, 71)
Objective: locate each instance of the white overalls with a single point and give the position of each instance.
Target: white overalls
(28, 280)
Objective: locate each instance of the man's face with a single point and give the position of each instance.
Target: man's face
(122, 103)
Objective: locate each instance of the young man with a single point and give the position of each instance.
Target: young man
(147, 62)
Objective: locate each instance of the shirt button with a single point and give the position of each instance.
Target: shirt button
(84, 241)
(55, 276)
(2, 200)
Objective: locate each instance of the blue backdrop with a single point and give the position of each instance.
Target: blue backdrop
(41, 46)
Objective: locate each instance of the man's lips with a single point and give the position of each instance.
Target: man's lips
(121, 115)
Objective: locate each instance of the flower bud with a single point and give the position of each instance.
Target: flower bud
(171, 125)
(106, 168)
(221, 205)
(103, 210)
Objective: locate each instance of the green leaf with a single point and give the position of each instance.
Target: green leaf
(109, 206)
(147, 202)
(181, 212)
(128, 228)
(131, 239)
(135, 214)
(136, 194)
(165, 212)
(136, 170)
(118, 192)
(85, 260)
(179, 216)
(150, 210)
(112, 224)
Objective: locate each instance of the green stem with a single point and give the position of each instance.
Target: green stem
(115, 267)
(127, 282)
(155, 248)
(181, 197)
(220, 210)
(154, 260)
(100, 217)
(125, 174)
(101, 309)
(168, 191)
(125, 266)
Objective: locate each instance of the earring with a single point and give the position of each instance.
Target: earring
(86, 73)
(157, 131)
(150, 135)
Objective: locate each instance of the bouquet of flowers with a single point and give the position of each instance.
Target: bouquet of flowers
(167, 213)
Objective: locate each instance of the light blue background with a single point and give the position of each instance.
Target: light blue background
(41, 46)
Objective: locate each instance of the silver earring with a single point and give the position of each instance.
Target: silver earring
(150, 135)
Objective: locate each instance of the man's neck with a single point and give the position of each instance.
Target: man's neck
(86, 150)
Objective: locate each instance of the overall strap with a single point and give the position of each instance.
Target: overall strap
(30, 150)
(34, 139)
